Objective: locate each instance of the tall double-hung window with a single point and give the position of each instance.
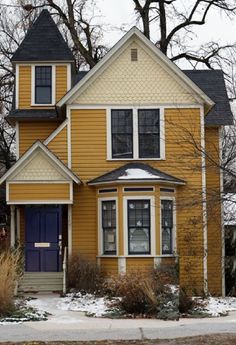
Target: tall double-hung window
(108, 214)
(135, 133)
(139, 226)
(43, 85)
(167, 226)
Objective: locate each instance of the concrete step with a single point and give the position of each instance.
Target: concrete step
(41, 282)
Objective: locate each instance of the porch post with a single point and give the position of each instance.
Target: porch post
(69, 230)
(18, 224)
(13, 226)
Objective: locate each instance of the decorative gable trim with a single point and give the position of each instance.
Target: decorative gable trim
(118, 48)
(26, 157)
(56, 132)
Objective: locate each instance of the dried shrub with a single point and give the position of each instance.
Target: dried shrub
(164, 275)
(83, 275)
(136, 291)
(186, 303)
(10, 270)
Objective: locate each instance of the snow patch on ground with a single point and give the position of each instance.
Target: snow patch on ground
(217, 306)
(88, 303)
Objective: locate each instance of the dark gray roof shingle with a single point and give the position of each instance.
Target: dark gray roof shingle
(43, 42)
(212, 83)
(132, 172)
(37, 114)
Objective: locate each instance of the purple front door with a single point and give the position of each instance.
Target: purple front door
(42, 239)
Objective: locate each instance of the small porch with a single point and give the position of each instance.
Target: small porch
(39, 190)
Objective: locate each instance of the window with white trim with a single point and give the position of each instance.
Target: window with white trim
(167, 226)
(43, 85)
(108, 215)
(139, 226)
(135, 133)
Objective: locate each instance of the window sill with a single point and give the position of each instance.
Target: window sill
(135, 159)
(42, 105)
(138, 256)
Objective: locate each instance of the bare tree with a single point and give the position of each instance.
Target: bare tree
(175, 22)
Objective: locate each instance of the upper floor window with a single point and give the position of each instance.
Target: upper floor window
(122, 133)
(43, 84)
(135, 133)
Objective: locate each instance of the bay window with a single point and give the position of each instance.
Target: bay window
(108, 213)
(167, 226)
(139, 226)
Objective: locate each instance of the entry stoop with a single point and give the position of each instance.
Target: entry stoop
(41, 282)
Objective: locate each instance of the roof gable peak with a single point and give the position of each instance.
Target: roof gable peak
(164, 61)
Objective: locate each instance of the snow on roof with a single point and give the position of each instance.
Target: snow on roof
(137, 174)
(229, 209)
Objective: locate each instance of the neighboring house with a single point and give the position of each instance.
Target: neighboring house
(113, 167)
(230, 242)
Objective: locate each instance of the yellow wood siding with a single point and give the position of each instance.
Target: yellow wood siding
(58, 145)
(89, 160)
(39, 191)
(24, 87)
(213, 213)
(139, 264)
(25, 92)
(109, 266)
(31, 131)
(61, 82)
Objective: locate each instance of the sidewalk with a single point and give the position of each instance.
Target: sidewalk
(69, 325)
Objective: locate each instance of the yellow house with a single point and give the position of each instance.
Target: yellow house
(120, 164)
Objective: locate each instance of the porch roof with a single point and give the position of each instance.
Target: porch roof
(136, 172)
(52, 158)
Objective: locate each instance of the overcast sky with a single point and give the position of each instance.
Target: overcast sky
(116, 12)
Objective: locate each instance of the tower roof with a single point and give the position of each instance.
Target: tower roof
(43, 42)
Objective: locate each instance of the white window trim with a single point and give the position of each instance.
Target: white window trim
(33, 85)
(174, 244)
(135, 133)
(100, 230)
(152, 228)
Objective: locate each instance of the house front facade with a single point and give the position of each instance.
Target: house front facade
(120, 164)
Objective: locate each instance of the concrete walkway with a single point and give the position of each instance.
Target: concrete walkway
(68, 325)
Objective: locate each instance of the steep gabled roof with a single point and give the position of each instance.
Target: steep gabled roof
(43, 42)
(136, 172)
(213, 84)
(134, 33)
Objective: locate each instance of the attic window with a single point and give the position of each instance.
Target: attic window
(134, 54)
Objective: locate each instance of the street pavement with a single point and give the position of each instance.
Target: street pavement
(69, 325)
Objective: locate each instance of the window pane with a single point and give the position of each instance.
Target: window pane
(149, 133)
(109, 241)
(43, 84)
(122, 133)
(139, 226)
(166, 241)
(109, 226)
(167, 226)
(42, 95)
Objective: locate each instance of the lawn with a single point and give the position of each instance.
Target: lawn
(215, 339)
